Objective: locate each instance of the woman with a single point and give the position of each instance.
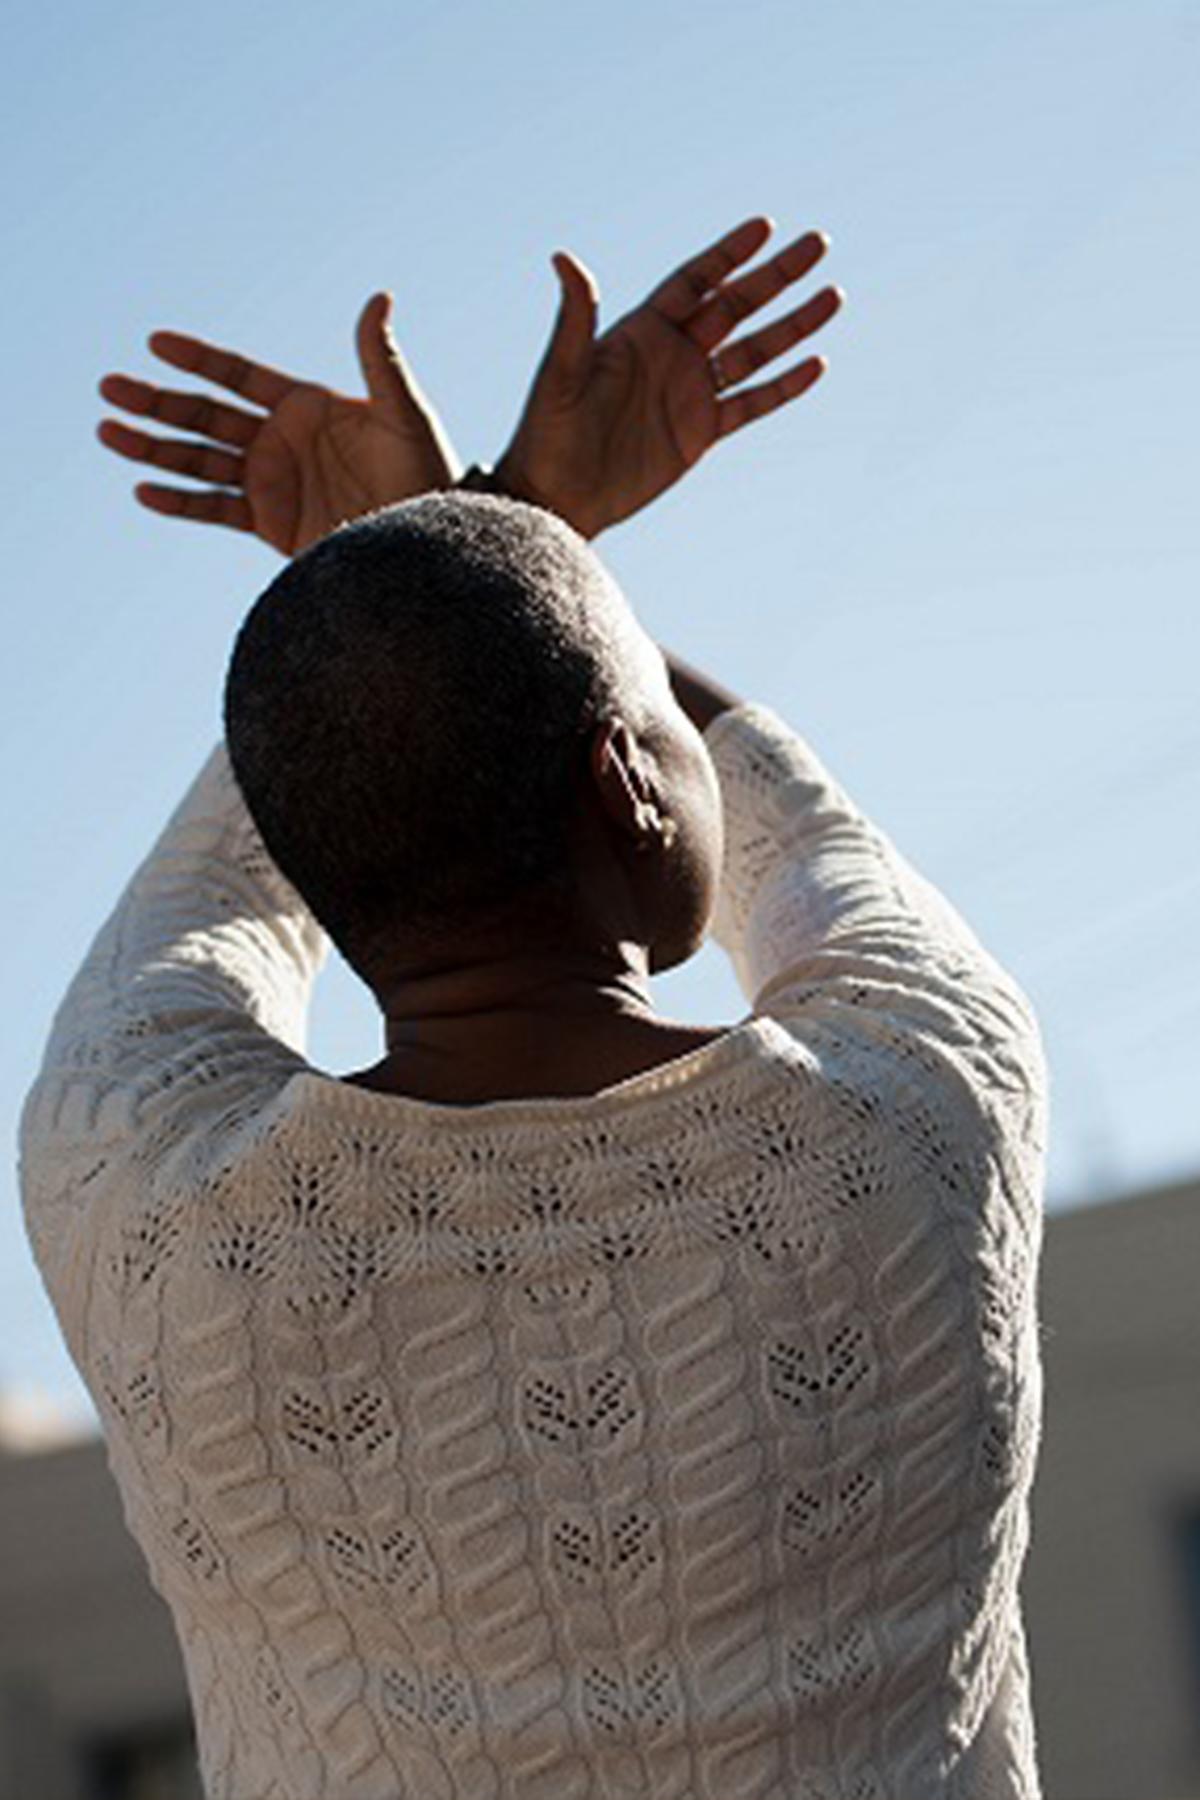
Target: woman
(573, 1402)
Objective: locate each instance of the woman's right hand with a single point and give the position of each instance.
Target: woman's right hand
(310, 459)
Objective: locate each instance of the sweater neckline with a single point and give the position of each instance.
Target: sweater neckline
(734, 1046)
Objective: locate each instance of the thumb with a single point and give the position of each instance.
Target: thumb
(575, 327)
(390, 382)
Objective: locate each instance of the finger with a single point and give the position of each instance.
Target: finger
(756, 402)
(575, 325)
(190, 412)
(204, 462)
(212, 508)
(740, 359)
(680, 294)
(389, 380)
(736, 300)
(255, 381)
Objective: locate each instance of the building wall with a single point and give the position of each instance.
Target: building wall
(91, 1679)
(1113, 1619)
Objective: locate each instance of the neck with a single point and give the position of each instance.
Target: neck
(460, 1002)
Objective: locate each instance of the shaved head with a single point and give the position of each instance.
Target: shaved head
(408, 707)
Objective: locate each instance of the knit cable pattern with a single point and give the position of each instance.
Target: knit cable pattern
(674, 1441)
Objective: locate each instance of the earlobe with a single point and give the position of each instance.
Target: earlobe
(655, 828)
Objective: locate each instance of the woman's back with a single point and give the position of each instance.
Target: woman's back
(674, 1438)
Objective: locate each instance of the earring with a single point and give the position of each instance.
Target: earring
(655, 824)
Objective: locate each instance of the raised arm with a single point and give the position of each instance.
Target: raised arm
(184, 1023)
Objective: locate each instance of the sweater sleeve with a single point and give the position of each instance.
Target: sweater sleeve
(832, 933)
(186, 1018)
(915, 1103)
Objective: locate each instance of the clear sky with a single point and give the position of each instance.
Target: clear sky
(967, 567)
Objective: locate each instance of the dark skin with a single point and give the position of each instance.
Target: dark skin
(539, 1003)
(544, 999)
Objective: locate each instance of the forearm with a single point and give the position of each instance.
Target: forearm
(207, 937)
(822, 915)
(701, 698)
(183, 1026)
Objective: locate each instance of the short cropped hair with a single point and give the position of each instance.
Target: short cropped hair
(406, 708)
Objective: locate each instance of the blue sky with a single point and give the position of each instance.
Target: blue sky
(966, 567)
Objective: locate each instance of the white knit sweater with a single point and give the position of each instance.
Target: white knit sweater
(674, 1441)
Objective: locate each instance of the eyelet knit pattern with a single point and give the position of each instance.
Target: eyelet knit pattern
(674, 1441)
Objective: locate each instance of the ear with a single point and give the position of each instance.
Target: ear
(622, 782)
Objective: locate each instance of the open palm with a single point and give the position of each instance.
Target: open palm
(612, 421)
(291, 472)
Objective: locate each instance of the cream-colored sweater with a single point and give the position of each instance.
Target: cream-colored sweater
(674, 1441)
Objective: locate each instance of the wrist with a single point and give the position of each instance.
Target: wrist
(481, 478)
(502, 478)
(509, 479)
